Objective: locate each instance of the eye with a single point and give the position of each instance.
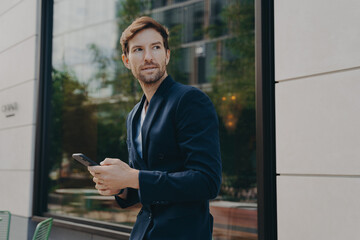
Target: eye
(156, 47)
(137, 49)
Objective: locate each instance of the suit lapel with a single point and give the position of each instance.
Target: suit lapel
(153, 109)
(134, 123)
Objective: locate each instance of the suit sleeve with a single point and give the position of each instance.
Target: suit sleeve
(198, 141)
(132, 198)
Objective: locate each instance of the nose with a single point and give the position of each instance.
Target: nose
(148, 56)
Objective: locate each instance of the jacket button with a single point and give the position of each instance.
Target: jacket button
(150, 216)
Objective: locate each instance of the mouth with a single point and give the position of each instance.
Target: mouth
(149, 68)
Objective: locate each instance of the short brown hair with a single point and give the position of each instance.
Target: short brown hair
(141, 24)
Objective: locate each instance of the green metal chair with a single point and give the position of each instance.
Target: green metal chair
(43, 229)
(5, 218)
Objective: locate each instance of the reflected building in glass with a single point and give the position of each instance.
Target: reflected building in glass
(212, 48)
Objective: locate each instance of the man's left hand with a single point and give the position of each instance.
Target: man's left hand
(113, 175)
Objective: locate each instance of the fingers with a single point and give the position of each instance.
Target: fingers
(105, 192)
(101, 187)
(91, 168)
(98, 180)
(110, 192)
(95, 170)
(110, 161)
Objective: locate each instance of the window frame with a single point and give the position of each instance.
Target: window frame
(265, 129)
(265, 119)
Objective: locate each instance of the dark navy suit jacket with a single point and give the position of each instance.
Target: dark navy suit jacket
(181, 167)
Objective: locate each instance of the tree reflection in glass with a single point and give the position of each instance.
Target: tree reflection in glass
(212, 48)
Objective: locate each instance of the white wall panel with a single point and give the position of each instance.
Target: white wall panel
(17, 148)
(316, 36)
(317, 124)
(24, 98)
(6, 5)
(315, 208)
(18, 24)
(16, 192)
(18, 63)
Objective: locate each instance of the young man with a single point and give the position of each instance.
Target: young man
(173, 142)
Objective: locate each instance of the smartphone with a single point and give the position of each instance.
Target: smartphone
(84, 160)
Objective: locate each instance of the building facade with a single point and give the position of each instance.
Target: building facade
(63, 89)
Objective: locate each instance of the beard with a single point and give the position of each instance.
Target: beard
(149, 79)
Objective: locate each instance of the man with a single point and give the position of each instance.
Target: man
(172, 136)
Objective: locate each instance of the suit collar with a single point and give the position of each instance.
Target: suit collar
(166, 84)
(155, 103)
(135, 117)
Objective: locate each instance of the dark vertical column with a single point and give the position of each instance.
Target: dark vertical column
(43, 109)
(265, 119)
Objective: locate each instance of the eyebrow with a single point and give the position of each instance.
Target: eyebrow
(154, 43)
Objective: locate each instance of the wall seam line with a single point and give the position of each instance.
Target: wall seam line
(319, 74)
(18, 126)
(18, 43)
(318, 175)
(16, 170)
(12, 7)
(18, 84)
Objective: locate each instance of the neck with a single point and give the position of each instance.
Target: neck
(150, 88)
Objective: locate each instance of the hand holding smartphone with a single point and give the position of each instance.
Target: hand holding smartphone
(84, 160)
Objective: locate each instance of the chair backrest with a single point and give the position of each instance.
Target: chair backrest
(5, 218)
(43, 229)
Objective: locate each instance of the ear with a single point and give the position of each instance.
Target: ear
(125, 60)
(167, 56)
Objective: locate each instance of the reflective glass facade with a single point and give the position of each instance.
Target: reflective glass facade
(212, 48)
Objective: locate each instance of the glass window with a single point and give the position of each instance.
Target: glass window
(212, 48)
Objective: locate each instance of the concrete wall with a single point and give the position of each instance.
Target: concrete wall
(19, 47)
(317, 118)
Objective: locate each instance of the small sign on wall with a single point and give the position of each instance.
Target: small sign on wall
(9, 109)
